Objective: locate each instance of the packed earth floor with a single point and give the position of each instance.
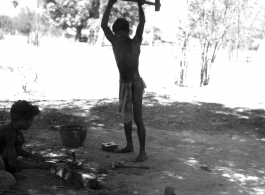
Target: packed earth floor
(199, 141)
(197, 148)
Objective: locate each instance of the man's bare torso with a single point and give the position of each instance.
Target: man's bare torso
(7, 134)
(127, 59)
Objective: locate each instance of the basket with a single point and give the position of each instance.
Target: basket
(73, 135)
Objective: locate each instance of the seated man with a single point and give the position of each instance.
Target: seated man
(12, 139)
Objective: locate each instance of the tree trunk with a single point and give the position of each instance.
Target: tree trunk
(183, 63)
(183, 72)
(100, 38)
(231, 48)
(94, 10)
(28, 38)
(206, 61)
(183, 69)
(205, 77)
(78, 33)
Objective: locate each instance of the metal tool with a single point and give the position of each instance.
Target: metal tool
(74, 164)
(120, 164)
(156, 3)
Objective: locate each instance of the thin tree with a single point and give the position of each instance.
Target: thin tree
(210, 23)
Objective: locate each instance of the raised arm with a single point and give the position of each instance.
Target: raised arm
(140, 27)
(104, 23)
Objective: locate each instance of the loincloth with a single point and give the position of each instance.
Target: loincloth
(125, 100)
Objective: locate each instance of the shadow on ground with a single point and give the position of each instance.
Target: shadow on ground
(160, 113)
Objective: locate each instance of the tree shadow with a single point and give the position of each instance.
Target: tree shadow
(247, 181)
(201, 116)
(161, 113)
(158, 112)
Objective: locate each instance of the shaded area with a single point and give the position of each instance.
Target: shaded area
(158, 112)
(191, 124)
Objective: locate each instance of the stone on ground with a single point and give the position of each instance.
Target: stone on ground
(7, 180)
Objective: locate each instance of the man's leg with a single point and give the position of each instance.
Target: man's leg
(128, 134)
(4, 154)
(137, 111)
(3, 157)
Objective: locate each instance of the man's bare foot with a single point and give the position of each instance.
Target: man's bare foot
(141, 157)
(125, 150)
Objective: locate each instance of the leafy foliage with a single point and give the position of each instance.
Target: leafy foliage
(69, 13)
(72, 13)
(210, 22)
(26, 21)
(248, 25)
(123, 9)
(211, 19)
(6, 24)
(80, 14)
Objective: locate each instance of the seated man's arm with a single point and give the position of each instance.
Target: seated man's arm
(10, 151)
(104, 23)
(11, 154)
(140, 27)
(26, 154)
(20, 139)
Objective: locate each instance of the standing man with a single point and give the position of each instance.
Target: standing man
(127, 52)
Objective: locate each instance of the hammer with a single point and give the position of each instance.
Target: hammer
(118, 164)
(156, 4)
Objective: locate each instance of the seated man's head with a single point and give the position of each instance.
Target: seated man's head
(22, 113)
(121, 29)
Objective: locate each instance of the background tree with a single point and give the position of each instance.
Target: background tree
(124, 9)
(183, 36)
(72, 13)
(6, 24)
(210, 21)
(15, 3)
(247, 29)
(81, 14)
(27, 22)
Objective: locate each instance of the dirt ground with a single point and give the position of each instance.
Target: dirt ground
(196, 147)
(199, 141)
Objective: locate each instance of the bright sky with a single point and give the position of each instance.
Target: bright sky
(166, 18)
(7, 8)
